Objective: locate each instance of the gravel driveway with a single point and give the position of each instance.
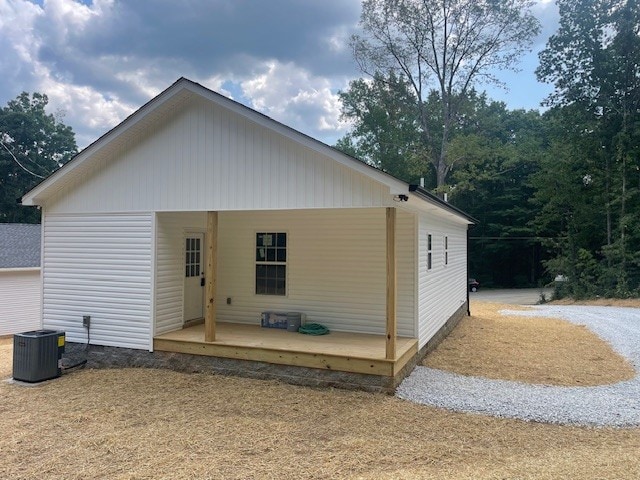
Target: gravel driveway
(607, 405)
(512, 296)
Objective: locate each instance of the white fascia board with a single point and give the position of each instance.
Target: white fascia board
(418, 204)
(19, 269)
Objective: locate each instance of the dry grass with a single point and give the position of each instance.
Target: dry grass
(528, 349)
(602, 302)
(142, 424)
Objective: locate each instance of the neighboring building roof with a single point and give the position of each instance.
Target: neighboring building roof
(19, 245)
(177, 93)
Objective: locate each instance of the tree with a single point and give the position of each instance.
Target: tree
(505, 150)
(442, 45)
(594, 62)
(33, 144)
(385, 129)
(496, 152)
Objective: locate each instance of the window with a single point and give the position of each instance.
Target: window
(271, 263)
(429, 252)
(446, 250)
(192, 257)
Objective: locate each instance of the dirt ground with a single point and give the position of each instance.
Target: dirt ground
(528, 349)
(601, 302)
(143, 424)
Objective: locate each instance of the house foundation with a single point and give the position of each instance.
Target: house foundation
(117, 357)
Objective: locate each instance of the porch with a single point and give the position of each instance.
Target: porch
(337, 351)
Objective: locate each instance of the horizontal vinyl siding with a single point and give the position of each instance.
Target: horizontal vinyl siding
(204, 157)
(170, 228)
(335, 268)
(20, 295)
(443, 289)
(98, 265)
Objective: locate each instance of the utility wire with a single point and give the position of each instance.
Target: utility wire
(16, 160)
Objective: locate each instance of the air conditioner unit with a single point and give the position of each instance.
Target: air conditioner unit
(37, 355)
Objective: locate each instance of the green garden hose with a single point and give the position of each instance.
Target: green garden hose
(313, 329)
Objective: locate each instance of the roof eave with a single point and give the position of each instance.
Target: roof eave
(433, 199)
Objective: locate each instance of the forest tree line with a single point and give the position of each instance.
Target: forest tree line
(557, 194)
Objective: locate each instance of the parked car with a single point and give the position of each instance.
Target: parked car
(474, 285)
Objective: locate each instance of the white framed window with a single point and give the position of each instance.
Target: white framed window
(271, 263)
(429, 251)
(193, 260)
(446, 250)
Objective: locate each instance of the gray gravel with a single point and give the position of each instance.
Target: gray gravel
(616, 405)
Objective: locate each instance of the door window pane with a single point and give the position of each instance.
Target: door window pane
(193, 257)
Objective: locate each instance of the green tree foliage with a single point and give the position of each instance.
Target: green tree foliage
(505, 149)
(589, 190)
(385, 130)
(495, 152)
(33, 145)
(441, 46)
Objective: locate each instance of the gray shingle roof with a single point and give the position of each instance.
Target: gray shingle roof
(19, 245)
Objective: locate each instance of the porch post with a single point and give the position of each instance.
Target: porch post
(391, 284)
(210, 275)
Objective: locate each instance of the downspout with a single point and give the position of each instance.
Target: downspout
(468, 261)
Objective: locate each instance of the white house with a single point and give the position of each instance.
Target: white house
(19, 278)
(197, 207)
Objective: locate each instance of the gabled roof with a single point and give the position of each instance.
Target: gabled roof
(19, 245)
(172, 98)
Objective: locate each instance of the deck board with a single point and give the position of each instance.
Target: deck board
(351, 352)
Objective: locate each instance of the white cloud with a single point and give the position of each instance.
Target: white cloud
(68, 15)
(16, 32)
(338, 40)
(88, 110)
(85, 105)
(293, 96)
(100, 60)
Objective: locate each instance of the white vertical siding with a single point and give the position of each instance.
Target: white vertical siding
(98, 265)
(335, 268)
(443, 289)
(205, 157)
(170, 230)
(19, 300)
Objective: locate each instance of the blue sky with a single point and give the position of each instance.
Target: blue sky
(100, 60)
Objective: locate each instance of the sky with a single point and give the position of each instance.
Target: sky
(98, 61)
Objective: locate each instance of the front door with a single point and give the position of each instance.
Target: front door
(193, 277)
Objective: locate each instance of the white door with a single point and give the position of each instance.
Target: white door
(193, 276)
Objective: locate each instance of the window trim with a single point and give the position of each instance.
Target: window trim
(257, 262)
(193, 266)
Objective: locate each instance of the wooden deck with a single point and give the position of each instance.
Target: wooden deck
(347, 352)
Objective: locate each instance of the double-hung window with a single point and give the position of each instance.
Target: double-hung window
(429, 251)
(271, 263)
